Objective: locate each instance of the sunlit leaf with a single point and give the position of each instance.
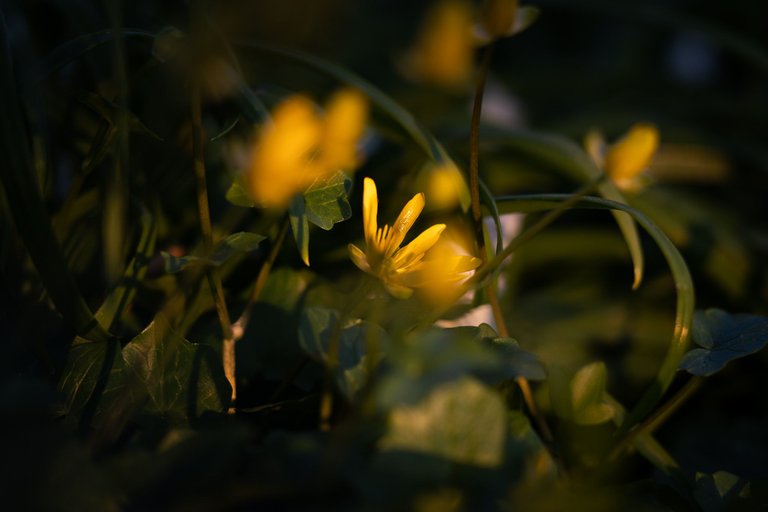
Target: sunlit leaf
(326, 203)
(300, 226)
(462, 421)
(723, 338)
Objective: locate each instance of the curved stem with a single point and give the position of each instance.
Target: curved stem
(683, 285)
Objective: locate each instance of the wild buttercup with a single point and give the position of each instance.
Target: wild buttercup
(625, 160)
(403, 269)
(301, 144)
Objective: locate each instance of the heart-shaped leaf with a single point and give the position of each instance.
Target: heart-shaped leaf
(723, 337)
(326, 200)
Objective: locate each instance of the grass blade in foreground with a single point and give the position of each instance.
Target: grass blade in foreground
(680, 274)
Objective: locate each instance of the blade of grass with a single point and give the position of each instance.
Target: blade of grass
(26, 205)
(680, 274)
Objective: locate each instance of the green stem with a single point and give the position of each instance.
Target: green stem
(659, 416)
(214, 279)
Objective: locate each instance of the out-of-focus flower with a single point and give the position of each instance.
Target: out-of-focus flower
(444, 51)
(402, 269)
(502, 18)
(498, 16)
(445, 187)
(301, 145)
(625, 160)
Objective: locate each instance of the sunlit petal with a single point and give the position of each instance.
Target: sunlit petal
(633, 153)
(405, 220)
(420, 244)
(358, 258)
(370, 210)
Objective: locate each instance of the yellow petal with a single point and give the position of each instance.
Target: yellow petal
(631, 155)
(358, 258)
(370, 211)
(345, 120)
(405, 220)
(418, 245)
(281, 160)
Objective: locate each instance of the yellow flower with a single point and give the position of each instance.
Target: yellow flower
(402, 269)
(300, 145)
(444, 52)
(626, 159)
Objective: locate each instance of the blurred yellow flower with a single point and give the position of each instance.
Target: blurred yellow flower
(401, 269)
(444, 185)
(626, 159)
(300, 145)
(502, 18)
(444, 52)
(498, 16)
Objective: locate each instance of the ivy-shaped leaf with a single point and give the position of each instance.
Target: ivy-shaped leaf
(235, 244)
(325, 201)
(96, 387)
(182, 379)
(316, 329)
(722, 338)
(225, 249)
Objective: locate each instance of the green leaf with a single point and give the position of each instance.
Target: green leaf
(325, 201)
(97, 390)
(721, 491)
(361, 345)
(174, 264)
(581, 397)
(724, 337)
(238, 196)
(182, 379)
(462, 421)
(235, 244)
(300, 226)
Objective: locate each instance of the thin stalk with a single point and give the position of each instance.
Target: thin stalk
(477, 218)
(659, 416)
(242, 322)
(214, 279)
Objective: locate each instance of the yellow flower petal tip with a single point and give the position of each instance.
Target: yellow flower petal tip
(632, 154)
(302, 144)
(403, 269)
